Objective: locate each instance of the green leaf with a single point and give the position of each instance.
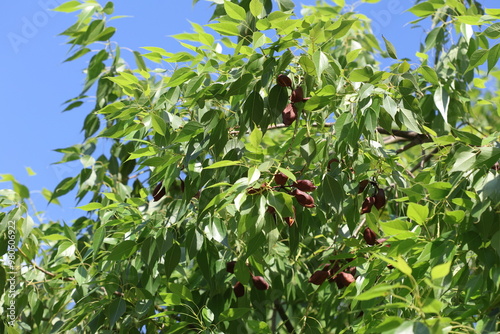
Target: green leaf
(142, 152)
(234, 11)
(109, 8)
(493, 31)
(438, 190)
(254, 107)
(342, 28)
(422, 9)
(376, 291)
(389, 323)
(429, 74)
(464, 160)
(432, 305)
(308, 149)
(286, 5)
(278, 99)
(54, 237)
(409, 120)
(171, 299)
(78, 54)
(97, 240)
(317, 102)
(159, 124)
(283, 203)
(47, 194)
(64, 187)
(320, 61)
(253, 175)
(115, 310)
(188, 131)
(478, 58)
(225, 28)
(390, 48)
(470, 19)
(68, 7)
(361, 74)
(180, 76)
(3, 280)
(442, 101)
(123, 250)
(233, 314)
(307, 65)
(256, 8)
(487, 157)
(171, 259)
(73, 105)
(441, 270)
(90, 206)
(418, 213)
(495, 242)
(493, 56)
(223, 163)
(399, 263)
(180, 290)
(399, 229)
(241, 85)
(140, 61)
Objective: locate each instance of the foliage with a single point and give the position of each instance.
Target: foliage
(399, 169)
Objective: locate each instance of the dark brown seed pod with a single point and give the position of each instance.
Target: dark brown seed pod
(271, 210)
(280, 178)
(260, 283)
(318, 277)
(297, 95)
(290, 221)
(230, 266)
(362, 186)
(379, 199)
(351, 270)
(289, 114)
(158, 192)
(370, 236)
(305, 185)
(239, 290)
(284, 81)
(334, 268)
(367, 204)
(303, 198)
(344, 279)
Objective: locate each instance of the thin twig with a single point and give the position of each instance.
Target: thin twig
(424, 160)
(45, 271)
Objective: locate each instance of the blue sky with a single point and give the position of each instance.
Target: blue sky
(35, 81)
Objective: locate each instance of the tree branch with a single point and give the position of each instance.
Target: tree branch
(283, 316)
(280, 126)
(410, 135)
(394, 139)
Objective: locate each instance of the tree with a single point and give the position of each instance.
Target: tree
(278, 181)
